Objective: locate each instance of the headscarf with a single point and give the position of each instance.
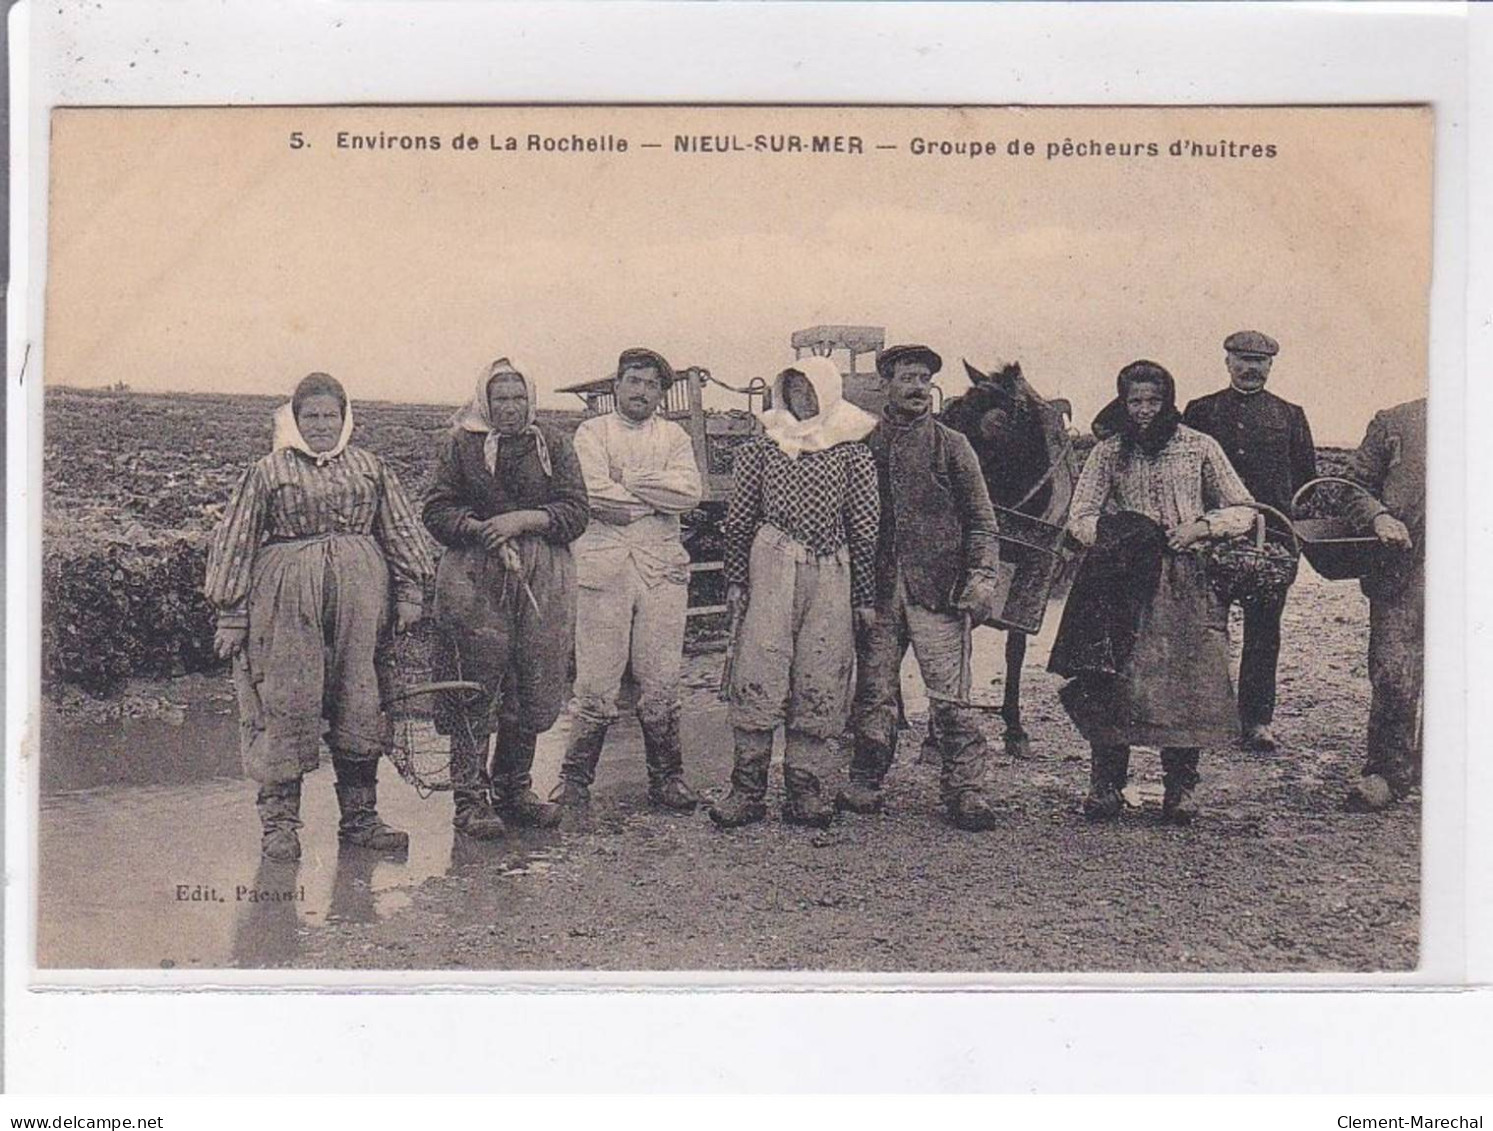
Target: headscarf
(1165, 425)
(837, 421)
(287, 432)
(477, 416)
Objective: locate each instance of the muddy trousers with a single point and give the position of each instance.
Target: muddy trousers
(1110, 765)
(941, 643)
(511, 772)
(627, 624)
(1396, 674)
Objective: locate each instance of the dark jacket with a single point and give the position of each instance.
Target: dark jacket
(937, 524)
(1391, 463)
(464, 492)
(1267, 439)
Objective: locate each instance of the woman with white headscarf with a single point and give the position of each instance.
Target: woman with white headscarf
(800, 554)
(507, 500)
(318, 538)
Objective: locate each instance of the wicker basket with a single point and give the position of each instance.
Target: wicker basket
(1336, 549)
(1254, 568)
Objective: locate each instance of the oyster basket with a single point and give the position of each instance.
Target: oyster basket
(1334, 546)
(1259, 566)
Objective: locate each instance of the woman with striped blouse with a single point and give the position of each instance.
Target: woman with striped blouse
(317, 539)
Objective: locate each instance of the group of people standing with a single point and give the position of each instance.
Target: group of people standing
(849, 537)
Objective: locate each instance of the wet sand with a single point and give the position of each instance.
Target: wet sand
(1273, 877)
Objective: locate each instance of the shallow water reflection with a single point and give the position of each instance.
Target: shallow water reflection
(162, 876)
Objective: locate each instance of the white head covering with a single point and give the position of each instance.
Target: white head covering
(287, 433)
(477, 415)
(837, 421)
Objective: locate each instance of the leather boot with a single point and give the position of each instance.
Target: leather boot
(472, 815)
(279, 805)
(357, 796)
(582, 753)
(972, 812)
(869, 762)
(805, 803)
(666, 785)
(1109, 770)
(962, 780)
(1370, 794)
(512, 783)
(1180, 776)
(747, 801)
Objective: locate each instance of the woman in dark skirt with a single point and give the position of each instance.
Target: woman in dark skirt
(1150, 662)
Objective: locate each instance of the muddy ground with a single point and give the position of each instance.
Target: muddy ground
(1273, 877)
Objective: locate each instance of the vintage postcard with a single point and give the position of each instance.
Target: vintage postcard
(737, 541)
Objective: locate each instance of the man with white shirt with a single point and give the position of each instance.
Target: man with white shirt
(632, 572)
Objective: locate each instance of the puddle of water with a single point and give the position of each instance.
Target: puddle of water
(169, 875)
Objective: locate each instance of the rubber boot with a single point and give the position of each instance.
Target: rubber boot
(930, 750)
(666, 785)
(1109, 770)
(869, 762)
(279, 805)
(512, 783)
(357, 796)
(472, 815)
(805, 803)
(747, 801)
(962, 780)
(1180, 776)
(582, 753)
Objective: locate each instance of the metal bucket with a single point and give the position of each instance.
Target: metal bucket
(1030, 562)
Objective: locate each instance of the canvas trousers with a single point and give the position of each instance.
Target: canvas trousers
(628, 622)
(941, 643)
(317, 610)
(1397, 622)
(795, 648)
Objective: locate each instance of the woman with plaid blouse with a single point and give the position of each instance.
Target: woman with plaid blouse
(318, 538)
(800, 555)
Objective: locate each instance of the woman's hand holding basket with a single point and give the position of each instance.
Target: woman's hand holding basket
(1188, 534)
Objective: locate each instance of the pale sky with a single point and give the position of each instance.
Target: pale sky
(195, 250)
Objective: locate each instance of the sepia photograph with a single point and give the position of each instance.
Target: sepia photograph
(734, 540)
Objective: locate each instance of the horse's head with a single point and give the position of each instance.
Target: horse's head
(1000, 418)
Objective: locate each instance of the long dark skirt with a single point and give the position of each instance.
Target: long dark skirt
(1174, 690)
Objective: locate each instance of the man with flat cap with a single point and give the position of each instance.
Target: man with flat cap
(632, 572)
(936, 562)
(1269, 442)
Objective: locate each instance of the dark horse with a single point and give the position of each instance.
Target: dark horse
(1029, 468)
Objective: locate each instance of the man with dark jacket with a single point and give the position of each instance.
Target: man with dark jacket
(936, 561)
(1391, 464)
(1269, 442)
